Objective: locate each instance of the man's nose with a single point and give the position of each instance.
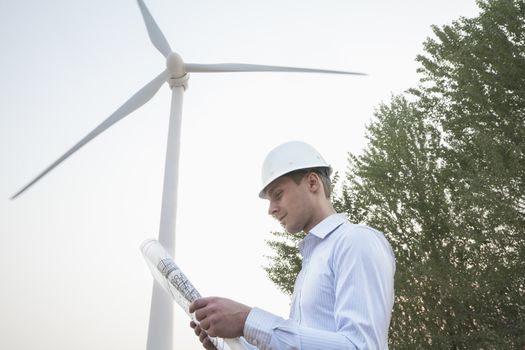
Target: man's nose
(272, 209)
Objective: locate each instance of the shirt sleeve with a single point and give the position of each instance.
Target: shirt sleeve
(268, 331)
(247, 345)
(363, 287)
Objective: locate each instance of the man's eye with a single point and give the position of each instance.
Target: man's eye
(278, 195)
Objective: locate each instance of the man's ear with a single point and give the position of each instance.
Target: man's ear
(313, 181)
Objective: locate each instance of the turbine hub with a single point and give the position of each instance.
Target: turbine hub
(178, 75)
(175, 65)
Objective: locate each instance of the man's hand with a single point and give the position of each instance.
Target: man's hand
(220, 317)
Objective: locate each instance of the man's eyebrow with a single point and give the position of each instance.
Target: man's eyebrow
(271, 190)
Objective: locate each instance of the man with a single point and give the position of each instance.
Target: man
(344, 294)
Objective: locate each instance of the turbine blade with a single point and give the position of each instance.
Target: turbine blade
(242, 67)
(154, 32)
(138, 99)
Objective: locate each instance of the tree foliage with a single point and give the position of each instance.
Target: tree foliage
(443, 176)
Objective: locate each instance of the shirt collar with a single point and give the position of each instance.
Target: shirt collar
(328, 225)
(318, 233)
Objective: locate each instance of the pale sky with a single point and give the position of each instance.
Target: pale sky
(72, 276)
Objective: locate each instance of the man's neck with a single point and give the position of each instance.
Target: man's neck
(322, 213)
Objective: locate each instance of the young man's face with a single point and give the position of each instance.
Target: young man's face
(290, 204)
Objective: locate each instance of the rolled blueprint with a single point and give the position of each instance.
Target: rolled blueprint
(176, 284)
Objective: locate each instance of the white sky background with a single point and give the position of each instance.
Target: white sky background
(71, 274)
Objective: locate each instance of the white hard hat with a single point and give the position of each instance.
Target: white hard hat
(287, 157)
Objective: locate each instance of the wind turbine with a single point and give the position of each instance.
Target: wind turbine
(160, 330)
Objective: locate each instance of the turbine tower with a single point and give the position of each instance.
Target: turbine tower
(160, 329)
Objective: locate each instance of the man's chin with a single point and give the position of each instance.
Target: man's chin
(292, 230)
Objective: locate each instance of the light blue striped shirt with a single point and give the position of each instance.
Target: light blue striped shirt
(343, 296)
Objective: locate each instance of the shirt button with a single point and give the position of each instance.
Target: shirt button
(254, 342)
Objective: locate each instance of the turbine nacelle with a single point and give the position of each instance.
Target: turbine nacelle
(176, 70)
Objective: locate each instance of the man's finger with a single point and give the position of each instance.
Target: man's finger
(204, 325)
(200, 314)
(197, 304)
(203, 336)
(197, 329)
(208, 344)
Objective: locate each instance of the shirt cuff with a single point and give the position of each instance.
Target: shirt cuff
(259, 326)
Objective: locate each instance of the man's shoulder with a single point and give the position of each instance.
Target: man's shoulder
(349, 230)
(358, 235)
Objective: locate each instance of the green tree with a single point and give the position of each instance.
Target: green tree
(474, 86)
(443, 176)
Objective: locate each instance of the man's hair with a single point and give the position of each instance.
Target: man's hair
(298, 175)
